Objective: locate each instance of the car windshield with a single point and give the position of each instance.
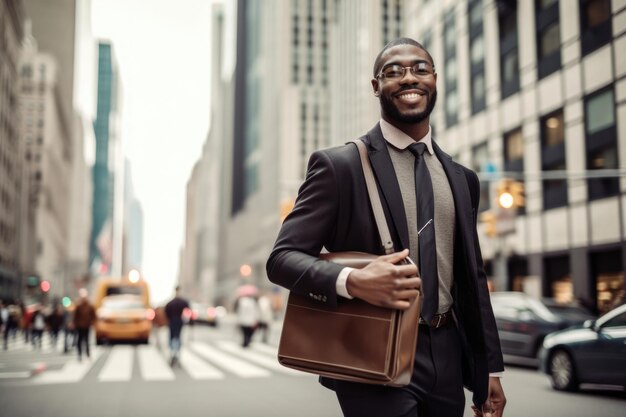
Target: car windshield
(122, 304)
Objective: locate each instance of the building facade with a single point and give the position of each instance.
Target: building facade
(545, 107)
(46, 174)
(11, 34)
(108, 186)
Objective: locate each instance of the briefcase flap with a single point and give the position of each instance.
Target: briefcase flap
(360, 324)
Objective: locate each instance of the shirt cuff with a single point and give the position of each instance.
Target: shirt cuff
(342, 280)
(496, 374)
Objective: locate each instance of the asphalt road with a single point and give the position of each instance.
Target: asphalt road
(218, 378)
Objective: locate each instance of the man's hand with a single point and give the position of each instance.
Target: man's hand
(385, 284)
(494, 406)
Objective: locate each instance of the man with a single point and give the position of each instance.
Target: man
(174, 312)
(84, 317)
(458, 341)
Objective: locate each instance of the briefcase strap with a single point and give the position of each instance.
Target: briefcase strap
(372, 190)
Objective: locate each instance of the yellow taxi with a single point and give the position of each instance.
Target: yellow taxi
(123, 318)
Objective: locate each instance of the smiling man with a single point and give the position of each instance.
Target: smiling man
(430, 202)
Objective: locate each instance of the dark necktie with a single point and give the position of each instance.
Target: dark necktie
(426, 233)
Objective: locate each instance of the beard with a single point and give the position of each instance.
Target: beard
(391, 110)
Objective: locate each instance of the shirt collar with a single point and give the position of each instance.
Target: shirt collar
(401, 140)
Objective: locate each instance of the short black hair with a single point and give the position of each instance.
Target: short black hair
(396, 42)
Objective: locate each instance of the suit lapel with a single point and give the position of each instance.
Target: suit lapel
(387, 182)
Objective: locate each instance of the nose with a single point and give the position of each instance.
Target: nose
(409, 76)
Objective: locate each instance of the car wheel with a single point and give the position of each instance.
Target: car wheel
(562, 371)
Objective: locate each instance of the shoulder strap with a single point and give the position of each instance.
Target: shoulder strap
(377, 206)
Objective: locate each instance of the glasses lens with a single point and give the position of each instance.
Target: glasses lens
(393, 71)
(422, 68)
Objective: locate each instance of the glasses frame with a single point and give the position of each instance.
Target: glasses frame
(381, 74)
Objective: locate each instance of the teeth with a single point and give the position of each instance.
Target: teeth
(409, 96)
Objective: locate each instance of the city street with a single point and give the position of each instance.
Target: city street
(218, 378)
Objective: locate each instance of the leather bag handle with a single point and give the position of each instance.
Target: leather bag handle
(372, 190)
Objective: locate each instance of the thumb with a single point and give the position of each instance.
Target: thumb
(395, 257)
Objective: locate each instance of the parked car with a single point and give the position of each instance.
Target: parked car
(123, 318)
(593, 353)
(524, 321)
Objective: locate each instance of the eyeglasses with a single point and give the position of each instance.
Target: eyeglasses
(421, 69)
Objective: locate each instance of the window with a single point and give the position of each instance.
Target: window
(558, 279)
(514, 154)
(513, 146)
(450, 41)
(480, 163)
(607, 270)
(509, 72)
(548, 37)
(553, 158)
(595, 24)
(601, 142)
(477, 56)
(509, 67)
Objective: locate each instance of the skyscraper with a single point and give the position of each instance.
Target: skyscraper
(106, 166)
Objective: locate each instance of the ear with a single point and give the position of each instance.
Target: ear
(375, 86)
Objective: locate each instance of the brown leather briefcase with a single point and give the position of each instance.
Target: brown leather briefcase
(356, 341)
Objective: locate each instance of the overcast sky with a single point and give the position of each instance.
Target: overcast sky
(162, 48)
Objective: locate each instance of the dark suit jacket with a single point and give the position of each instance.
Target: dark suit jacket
(333, 211)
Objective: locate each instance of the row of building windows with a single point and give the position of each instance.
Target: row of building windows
(595, 31)
(605, 268)
(600, 150)
(311, 48)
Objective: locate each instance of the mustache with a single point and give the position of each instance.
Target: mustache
(413, 87)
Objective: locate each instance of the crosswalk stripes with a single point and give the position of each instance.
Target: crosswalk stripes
(152, 365)
(119, 365)
(199, 360)
(196, 367)
(255, 357)
(73, 371)
(230, 363)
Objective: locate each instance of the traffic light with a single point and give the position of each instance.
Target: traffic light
(490, 221)
(45, 286)
(511, 193)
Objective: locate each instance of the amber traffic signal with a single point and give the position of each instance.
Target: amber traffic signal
(511, 193)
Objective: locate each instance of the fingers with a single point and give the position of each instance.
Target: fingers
(408, 283)
(395, 257)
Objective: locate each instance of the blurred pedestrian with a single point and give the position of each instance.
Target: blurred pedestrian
(84, 317)
(55, 323)
(266, 315)
(4, 318)
(247, 310)
(174, 313)
(69, 332)
(26, 321)
(38, 326)
(14, 316)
